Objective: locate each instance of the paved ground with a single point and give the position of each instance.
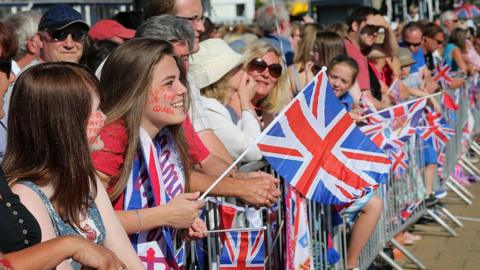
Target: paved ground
(439, 250)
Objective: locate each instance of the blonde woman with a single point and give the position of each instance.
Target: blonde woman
(264, 63)
(217, 86)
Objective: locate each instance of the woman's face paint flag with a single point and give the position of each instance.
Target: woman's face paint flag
(315, 146)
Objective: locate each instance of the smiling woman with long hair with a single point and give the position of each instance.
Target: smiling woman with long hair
(145, 98)
(48, 158)
(264, 63)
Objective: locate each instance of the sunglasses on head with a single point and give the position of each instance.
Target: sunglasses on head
(6, 66)
(410, 44)
(259, 65)
(62, 35)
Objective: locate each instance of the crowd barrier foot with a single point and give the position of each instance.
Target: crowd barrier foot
(408, 254)
(451, 216)
(442, 223)
(461, 188)
(469, 167)
(389, 260)
(464, 197)
(475, 147)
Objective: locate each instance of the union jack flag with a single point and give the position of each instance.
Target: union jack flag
(437, 130)
(442, 74)
(385, 137)
(407, 212)
(298, 243)
(395, 125)
(467, 11)
(399, 161)
(394, 91)
(243, 250)
(449, 103)
(317, 148)
(366, 105)
(403, 113)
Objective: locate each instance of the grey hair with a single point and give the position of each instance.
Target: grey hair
(24, 24)
(268, 15)
(447, 15)
(167, 27)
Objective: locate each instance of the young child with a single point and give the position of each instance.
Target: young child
(342, 73)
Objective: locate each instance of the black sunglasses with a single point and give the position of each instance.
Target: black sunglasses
(62, 35)
(6, 66)
(259, 65)
(409, 44)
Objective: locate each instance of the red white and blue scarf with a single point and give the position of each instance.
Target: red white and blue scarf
(157, 176)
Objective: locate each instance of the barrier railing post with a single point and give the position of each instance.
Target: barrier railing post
(460, 187)
(442, 223)
(458, 192)
(407, 253)
(468, 166)
(451, 216)
(389, 260)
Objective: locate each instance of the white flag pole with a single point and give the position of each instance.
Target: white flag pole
(265, 131)
(237, 230)
(389, 108)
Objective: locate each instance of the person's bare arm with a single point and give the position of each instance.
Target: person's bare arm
(212, 165)
(116, 239)
(214, 145)
(47, 255)
(459, 60)
(179, 213)
(259, 190)
(389, 44)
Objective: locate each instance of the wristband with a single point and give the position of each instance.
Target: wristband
(139, 221)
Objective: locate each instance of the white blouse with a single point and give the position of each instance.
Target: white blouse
(236, 138)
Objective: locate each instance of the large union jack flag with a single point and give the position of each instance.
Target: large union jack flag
(243, 250)
(437, 130)
(315, 146)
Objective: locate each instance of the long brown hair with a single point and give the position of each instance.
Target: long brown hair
(47, 138)
(309, 32)
(125, 82)
(327, 45)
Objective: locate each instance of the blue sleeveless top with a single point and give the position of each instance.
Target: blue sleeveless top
(93, 228)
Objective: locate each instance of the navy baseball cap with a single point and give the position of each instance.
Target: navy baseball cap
(61, 16)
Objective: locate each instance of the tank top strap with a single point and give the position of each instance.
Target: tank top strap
(46, 201)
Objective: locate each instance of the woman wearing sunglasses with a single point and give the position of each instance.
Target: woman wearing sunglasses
(217, 87)
(264, 64)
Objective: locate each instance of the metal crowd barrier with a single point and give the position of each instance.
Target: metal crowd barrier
(399, 192)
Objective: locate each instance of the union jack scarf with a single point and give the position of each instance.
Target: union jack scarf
(156, 177)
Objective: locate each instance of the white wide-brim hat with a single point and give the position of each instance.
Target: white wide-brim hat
(213, 60)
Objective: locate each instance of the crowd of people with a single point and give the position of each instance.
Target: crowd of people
(109, 133)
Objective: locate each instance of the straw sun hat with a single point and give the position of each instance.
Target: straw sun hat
(405, 57)
(213, 60)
